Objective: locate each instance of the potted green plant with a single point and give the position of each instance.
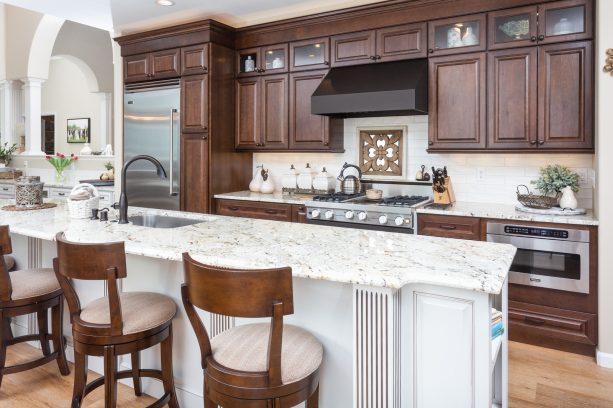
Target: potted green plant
(555, 178)
(6, 154)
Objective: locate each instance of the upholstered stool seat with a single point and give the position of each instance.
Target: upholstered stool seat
(140, 311)
(9, 261)
(29, 283)
(245, 348)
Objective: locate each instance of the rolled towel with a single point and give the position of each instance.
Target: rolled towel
(80, 195)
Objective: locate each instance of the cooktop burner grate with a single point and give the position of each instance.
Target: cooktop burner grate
(335, 197)
(403, 201)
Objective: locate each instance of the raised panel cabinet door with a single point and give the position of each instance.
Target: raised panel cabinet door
(569, 20)
(306, 131)
(195, 173)
(195, 104)
(402, 42)
(166, 64)
(248, 113)
(512, 97)
(274, 106)
(353, 48)
(566, 98)
(195, 59)
(136, 68)
(457, 110)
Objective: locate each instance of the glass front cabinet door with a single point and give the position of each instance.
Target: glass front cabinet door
(569, 20)
(457, 35)
(512, 28)
(310, 54)
(264, 60)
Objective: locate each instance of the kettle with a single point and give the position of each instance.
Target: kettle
(350, 184)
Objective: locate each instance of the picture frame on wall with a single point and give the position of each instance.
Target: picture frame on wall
(78, 130)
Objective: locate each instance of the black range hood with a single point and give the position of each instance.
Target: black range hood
(378, 89)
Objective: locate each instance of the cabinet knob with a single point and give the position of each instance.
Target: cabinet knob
(533, 38)
(377, 57)
(430, 142)
(205, 69)
(533, 142)
(541, 142)
(541, 37)
(373, 57)
(326, 62)
(430, 51)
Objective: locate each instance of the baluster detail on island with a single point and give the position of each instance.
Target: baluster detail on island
(220, 323)
(376, 369)
(35, 260)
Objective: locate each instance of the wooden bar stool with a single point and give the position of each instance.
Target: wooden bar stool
(254, 365)
(29, 291)
(111, 326)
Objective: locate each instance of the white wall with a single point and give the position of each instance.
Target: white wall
(501, 173)
(2, 42)
(604, 196)
(21, 25)
(66, 95)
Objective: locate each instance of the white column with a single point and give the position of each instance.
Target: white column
(10, 111)
(32, 90)
(105, 120)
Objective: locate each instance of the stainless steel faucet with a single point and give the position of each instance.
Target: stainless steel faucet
(123, 198)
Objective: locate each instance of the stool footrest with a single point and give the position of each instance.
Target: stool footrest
(120, 375)
(30, 364)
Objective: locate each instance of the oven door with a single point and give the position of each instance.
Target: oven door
(548, 263)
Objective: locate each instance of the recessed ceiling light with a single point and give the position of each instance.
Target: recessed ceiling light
(164, 2)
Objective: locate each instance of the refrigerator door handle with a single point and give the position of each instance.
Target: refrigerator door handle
(172, 151)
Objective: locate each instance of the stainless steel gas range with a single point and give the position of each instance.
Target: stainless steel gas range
(394, 214)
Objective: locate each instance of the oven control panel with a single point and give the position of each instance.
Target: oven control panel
(536, 232)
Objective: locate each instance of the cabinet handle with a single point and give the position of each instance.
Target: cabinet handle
(541, 37)
(301, 213)
(541, 142)
(534, 321)
(205, 69)
(447, 227)
(377, 57)
(61, 194)
(430, 51)
(5, 189)
(373, 57)
(269, 211)
(533, 142)
(533, 38)
(232, 208)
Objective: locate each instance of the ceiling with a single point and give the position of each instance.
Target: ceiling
(126, 16)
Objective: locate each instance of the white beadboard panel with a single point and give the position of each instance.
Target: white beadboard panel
(502, 172)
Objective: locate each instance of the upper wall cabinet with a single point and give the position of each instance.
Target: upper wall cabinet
(457, 35)
(309, 54)
(387, 44)
(150, 66)
(512, 28)
(195, 59)
(272, 59)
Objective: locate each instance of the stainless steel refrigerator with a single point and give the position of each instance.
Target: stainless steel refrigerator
(151, 127)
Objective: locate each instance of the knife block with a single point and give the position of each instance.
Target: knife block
(447, 196)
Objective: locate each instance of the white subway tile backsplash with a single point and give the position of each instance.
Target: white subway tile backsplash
(501, 172)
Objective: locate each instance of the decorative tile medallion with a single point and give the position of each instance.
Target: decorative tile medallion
(381, 152)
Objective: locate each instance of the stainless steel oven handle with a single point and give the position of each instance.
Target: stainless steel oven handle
(172, 150)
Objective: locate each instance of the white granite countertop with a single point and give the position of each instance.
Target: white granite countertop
(276, 197)
(508, 212)
(312, 251)
(55, 184)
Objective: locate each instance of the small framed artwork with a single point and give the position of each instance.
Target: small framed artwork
(381, 152)
(77, 131)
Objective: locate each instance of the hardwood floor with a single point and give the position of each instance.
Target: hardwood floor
(538, 377)
(44, 387)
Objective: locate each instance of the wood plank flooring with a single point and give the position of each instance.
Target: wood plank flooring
(538, 377)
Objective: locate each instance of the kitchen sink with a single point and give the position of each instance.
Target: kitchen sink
(162, 221)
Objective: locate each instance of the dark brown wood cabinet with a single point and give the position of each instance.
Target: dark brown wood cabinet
(195, 172)
(569, 20)
(386, 44)
(271, 59)
(307, 131)
(152, 66)
(309, 54)
(566, 96)
(457, 109)
(512, 98)
(194, 104)
(449, 226)
(262, 210)
(262, 112)
(195, 59)
(504, 28)
(457, 35)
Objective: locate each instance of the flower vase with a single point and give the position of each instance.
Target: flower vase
(60, 176)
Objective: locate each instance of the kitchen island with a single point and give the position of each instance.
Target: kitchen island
(404, 320)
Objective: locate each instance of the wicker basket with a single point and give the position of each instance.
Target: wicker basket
(536, 201)
(83, 208)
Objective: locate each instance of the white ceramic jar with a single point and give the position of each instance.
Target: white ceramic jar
(289, 180)
(324, 181)
(305, 178)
